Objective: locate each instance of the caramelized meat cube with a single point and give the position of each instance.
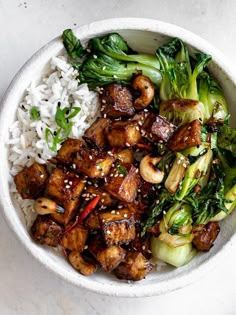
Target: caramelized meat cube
(123, 182)
(31, 181)
(92, 221)
(205, 235)
(126, 156)
(116, 101)
(186, 136)
(140, 244)
(135, 267)
(46, 231)
(79, 263)
(123, 133)
(108, 257)
(75, 239)
(93, 163)
(94, 135)
(66, 188)
(67, 151)
(157, 128)
(118, 226)
(105, 200)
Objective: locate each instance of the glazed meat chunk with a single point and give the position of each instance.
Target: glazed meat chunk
(105, 198)
(118, 226)
(79, 263)
(66, 188)
(93, 163)
(46, 231)
(126, 156)
(205, 235)
(94, 135)
(75, 239)
(123, 133)
(116, 100)
(186, 136)
(68, 149)
(123, 182)
(108, 257)
(157, 128)
(31, 181)
(135, 267)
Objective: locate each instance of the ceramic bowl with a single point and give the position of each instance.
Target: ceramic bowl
(142, 35)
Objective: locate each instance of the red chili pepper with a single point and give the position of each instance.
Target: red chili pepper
(86, 211)
(144, 146)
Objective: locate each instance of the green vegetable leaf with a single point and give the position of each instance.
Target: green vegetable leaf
(34, 113)
(72, 44)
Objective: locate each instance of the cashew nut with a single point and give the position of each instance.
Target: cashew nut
(148, 170)
(45, 206)
(145, 86)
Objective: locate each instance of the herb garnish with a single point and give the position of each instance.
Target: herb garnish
(121, 169)
(34, 113)
(62, 118)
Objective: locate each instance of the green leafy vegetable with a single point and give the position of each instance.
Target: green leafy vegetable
(175, 256)
(227, 139)
(72, 44)
(179, 80)
(211, 95)
(34, 113)
(113, 45)
(101, 69)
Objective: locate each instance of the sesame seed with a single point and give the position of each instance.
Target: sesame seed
(102, 200)
(95, 56)
(113, 212)
(125, 215)
(67, 186)
(127, 144)
(66, 181)
(90, 183)
(104, 68)
(86, 246)
(117, 212)
(104, 102)
(105, 115)
(184, 165)
(121, 175)
(90, 157)
(116, 175)
(70, 182)
(137, 128)
(108, 232)
(73, 166)
(143, 247)
(111, 175)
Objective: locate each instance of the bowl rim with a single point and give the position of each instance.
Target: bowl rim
(89, 30)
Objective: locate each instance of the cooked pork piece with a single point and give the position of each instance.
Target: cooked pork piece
(66, 188)
(31, 181)
(118, 226)
(75, 239)
(205, 235)
(67, 151)
(157, 128)
(92, 221)
(116, 100)
(135, 267)
(123, 182)
(94, 135)
(93, 163)
(105, 198)
(186, 136)
(46, 231)
(108, 257)
(126, 156)
(123, 133)
(79, 263)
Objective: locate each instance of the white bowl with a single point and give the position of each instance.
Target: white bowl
(142, 35)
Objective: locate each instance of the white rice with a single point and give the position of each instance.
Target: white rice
(27, 142)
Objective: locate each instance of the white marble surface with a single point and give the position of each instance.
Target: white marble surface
(26, 288)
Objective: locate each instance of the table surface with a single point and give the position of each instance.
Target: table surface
(26, 287)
